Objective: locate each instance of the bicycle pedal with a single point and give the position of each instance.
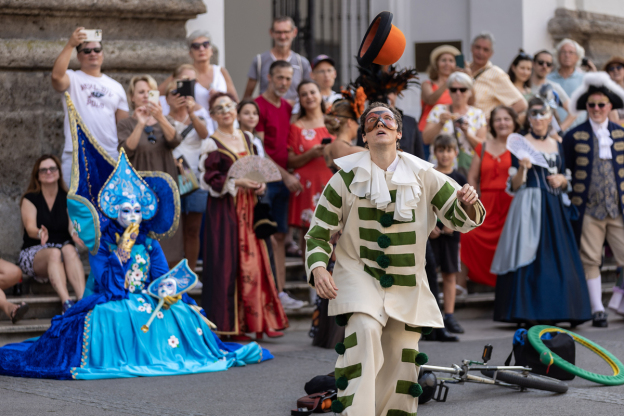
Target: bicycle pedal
(441, 392)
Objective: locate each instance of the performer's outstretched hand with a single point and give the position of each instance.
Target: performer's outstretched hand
(467, 195)
(324, 283)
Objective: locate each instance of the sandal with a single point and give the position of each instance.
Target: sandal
(19, 312)
(293, 250)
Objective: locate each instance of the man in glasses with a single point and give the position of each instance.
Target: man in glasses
(543, 62)
(615, 68)
(283, 31)
(492, 85)
(594, 152)
(100, 100)
(568, 74)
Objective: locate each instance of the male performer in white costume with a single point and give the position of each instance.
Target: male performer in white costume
(386, 202)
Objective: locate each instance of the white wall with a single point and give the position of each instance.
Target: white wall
(611, 7)
(535, 25)
(213, 22)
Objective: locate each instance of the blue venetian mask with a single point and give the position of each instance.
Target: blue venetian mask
(125, 186)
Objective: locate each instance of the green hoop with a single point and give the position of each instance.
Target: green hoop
(535, 338)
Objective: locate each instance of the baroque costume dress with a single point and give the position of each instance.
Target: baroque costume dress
(540, 275)
(383, 297)
(478, 247)
(101, 336)
(239, 295)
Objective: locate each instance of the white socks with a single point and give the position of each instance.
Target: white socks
(595, 294)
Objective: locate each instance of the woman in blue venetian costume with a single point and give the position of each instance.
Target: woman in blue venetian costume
(540, 275)
(120, 214)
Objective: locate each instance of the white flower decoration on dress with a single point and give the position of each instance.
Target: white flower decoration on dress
(141, 308)
(200, 332)
(140, 300)
(173, 342)
(144, 291)
(131, 289)
(148, 308)
(160, 315)
(139, 259)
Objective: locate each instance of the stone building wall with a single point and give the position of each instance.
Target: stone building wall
(139, 36)
(601, 35)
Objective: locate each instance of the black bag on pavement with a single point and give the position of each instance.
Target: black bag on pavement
(558, 342)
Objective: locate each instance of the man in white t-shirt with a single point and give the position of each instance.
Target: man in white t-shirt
(100, 100)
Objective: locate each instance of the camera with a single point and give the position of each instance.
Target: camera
(186, 88)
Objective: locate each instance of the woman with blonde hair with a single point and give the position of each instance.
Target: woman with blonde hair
(148, 137)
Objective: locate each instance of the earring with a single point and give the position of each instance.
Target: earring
(398, 145)
(365, 145)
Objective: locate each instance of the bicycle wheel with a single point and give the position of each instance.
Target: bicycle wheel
(530, 381)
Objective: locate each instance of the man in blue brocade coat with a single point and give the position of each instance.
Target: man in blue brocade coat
(594, 152)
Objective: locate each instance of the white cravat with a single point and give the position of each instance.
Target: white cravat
(604, 138)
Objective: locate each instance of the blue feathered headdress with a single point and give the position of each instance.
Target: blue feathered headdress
(91, 201)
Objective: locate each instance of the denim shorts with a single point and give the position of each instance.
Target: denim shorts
(277, 196)
(195, 202)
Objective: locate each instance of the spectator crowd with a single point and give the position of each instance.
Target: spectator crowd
(537, 243)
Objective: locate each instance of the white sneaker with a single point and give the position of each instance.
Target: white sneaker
(290, 303)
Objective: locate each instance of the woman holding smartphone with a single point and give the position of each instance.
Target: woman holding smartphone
(306, 141)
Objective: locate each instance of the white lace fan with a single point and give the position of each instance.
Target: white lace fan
(520, 147)
(255, 168)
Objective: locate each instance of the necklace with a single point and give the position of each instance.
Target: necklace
(180, 121)
(535, 136)
(231, 136)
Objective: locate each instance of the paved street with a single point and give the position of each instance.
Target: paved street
(271, 388)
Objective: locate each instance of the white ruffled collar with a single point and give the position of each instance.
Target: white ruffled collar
(369, 181)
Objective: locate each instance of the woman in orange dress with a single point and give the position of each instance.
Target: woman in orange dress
(239, 293)
(489, 170)
(305, 154)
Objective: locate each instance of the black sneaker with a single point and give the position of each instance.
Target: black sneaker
(451, 324)
(442, 335)
(599, 319)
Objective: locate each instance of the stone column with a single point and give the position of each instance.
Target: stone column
(139, 36)
(601, 35)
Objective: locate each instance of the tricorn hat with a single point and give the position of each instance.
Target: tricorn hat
(596, 82)
(383, 43)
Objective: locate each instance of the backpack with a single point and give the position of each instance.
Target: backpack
(558, 342)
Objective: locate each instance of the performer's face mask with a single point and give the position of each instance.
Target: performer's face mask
(129, 213)
(541, 113)
(167, 288)
(374, 117)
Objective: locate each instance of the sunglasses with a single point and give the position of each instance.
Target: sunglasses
(375, 117)
(539, 113)
(149, 130)
(544, 63)
(614, 68)
(197, 45)
(52, 169)
(87, 51)
(593, 105)
(454, 89)
(222, 109)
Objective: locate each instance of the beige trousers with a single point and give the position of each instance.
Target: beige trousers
(593, 236)
(377, 374)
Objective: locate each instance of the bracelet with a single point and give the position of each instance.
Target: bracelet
(39, 234)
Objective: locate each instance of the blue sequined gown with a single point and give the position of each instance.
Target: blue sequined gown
(540, 275)
(101, 336)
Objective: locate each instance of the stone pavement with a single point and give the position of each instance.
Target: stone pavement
(271, 388)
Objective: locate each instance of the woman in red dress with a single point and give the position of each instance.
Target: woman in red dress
(239, 293)
(305, 154)
(489, 170)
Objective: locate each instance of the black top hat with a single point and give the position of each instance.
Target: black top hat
(597, 82)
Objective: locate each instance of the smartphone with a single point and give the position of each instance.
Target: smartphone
(186, 87)
(326, 140)
(585, 61)
(153, 96)
(93, 35)
(459, 61)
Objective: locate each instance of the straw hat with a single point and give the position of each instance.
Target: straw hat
(613, 60)
(435, 54)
